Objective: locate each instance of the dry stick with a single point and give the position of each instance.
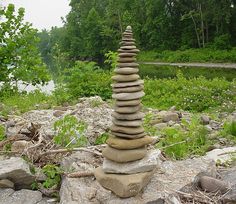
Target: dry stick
(233, 152)
(80, 174)
(70, 150)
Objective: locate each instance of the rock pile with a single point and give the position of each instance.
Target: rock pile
(127, 166)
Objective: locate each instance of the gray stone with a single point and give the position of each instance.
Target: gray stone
(123, 185)
(128, 84)
(132, 64)
(17, 170)
(127, 130)
(126, 59)
(130, 109)
(128, 96)
(170, 116)
(160, 126)
(128, 47)
(125, 78)
(123, 156)
(148, 163)
(133, 116)
(205, 119)
(213, 185)
(129, 136)
(128, 103)
(126, 70)
(125, 123)
(128, 51)
(127, 54)
(58, 113)
(173, 176)
(128, 89)
(5, 183)
(9, 196)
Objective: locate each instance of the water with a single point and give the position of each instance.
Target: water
(160, 72)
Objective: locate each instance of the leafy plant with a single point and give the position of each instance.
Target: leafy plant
(53, 174)
(111, 59)
(70, 132)
(2, 133)
(101, 139)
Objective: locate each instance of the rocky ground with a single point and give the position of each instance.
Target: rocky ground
(195, 180)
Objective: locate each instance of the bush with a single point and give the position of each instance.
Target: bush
(222, 42)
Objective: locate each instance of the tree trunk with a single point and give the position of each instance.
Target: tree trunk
(195, 28)
(202, 26)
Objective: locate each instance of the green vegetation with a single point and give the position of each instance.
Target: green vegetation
(19, 56)
(229, 130)
(179, 143)
(2, 133)
(102, 139)
(189, 55)
(53, 174)
(70, 132)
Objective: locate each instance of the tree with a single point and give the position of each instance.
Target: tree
(19, 56)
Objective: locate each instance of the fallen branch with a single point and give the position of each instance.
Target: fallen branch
(80, 174)
(70, 150)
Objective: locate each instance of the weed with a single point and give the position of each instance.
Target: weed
(53, 174)
(70, 132)
(2, 133)
(102, 139)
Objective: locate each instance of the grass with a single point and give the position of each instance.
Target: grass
(190, 55)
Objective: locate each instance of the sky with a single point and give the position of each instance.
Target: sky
(43, 14)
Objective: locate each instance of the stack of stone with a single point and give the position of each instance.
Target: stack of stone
(127, 165)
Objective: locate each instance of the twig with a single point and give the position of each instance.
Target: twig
(233, 152)
(70, 150)
(80, 174)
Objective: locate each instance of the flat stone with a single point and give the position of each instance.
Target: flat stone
(9, 196)
(148, 163)
(128, 89)
(123, 186)
(127, 70)
(127, 130)
(128, 96)
(160, 126)
(127, 43)
(128, 51)
(128, 47)
(128, 84)
(130, 109)
(120, 143)
(170, 116)
(125, 78)
(17, 170)
(123, 156)
(213, 185)
(132, 64)
(58, 113)
(129, 136)
(205, 120)
(5, 183)
(173, 176)
(127, 55)
(125, 123)
(133, 116)
(128, 103)
(126, 59)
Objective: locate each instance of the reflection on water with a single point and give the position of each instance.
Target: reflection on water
(154, 71)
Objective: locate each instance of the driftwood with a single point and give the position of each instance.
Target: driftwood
(80, 174)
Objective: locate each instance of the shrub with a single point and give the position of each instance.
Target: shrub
(222, 42)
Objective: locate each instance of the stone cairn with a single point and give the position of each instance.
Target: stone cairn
(127, 166)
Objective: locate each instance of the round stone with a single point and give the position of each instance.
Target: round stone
(127, 130)
(128, 96)
(121, 143)
(127, 70)
(128, 89)
(125, 78)
(123, 156)
(127, 43)
(128, 51)
(131, 64)
(128, 39)
(127, 55)
(131, 47)
(128, 136)
(125, 123)
(133, 116)
(126, 59)
(128, 103)
(130, 109)
(127, 84)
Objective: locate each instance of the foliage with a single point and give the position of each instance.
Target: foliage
(70, 132)
(111, 59)
(222, 42)
(53, 174)
(181, 143)
(149, 128)
(17, 103)
(229, 130)
(189, 55)
(86, 79)
(19, 56)
(101, 139)
(2, 133)
(197, 94)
